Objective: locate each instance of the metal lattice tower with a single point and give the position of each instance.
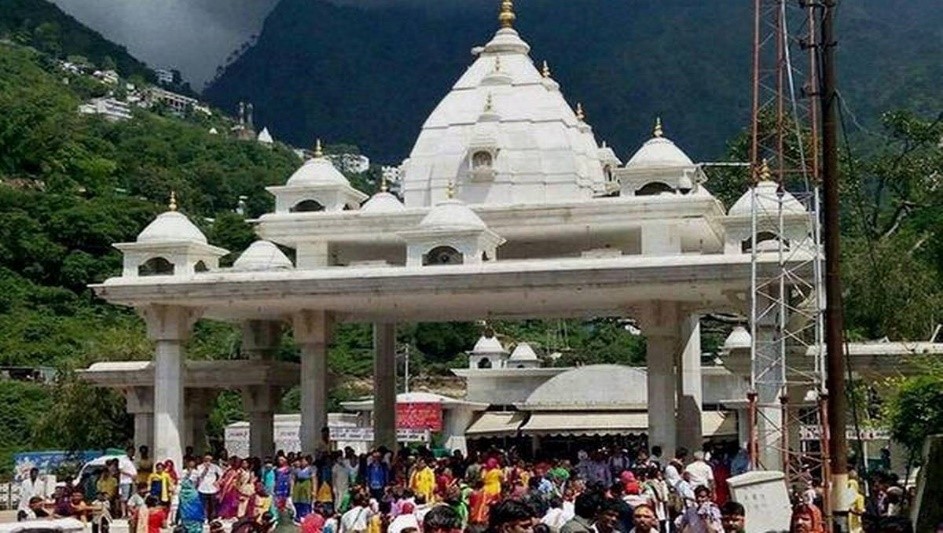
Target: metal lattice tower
(787, 398)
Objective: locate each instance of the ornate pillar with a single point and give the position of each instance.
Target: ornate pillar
(260, 402)
(384, 385)
(690, 395)
(169, 327)
(140, 402)
(312, 331)
(660, 325)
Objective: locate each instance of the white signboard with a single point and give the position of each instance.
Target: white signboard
(288, 439)
(812, 433)
(764, 498)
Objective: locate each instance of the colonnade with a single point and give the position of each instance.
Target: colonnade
(168, 416)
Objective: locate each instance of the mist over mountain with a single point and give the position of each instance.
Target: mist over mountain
(193, 36)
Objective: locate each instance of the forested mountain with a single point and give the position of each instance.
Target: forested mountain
(44, 26)
(369, 73)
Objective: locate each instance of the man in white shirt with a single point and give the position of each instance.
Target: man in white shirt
(357, 518)
(127, 473)
(675, 467)
(207, 478)
(702, 475)
(30, 487)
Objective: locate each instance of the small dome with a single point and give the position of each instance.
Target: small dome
(523, 352)
(262, 255)
(169, 227)
(382, 202)
(739, 339)
(659, 152)
(265, 137)
(317, 171)
(767, 192)
(452, 214)
(488, 345)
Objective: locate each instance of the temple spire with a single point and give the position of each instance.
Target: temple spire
(580, 115)
(317, 148)
(765, 174)
(507, 17)
(659, 132)
(173, 201)
(546, 70)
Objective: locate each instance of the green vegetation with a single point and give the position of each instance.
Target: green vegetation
(47, 28)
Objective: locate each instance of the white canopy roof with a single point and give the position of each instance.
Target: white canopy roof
(262, 255)
(382, 202)
(317, 171)
(170, 227)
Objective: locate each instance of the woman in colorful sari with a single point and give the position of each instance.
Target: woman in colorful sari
(302, 490)
(190, 512)
(282, 489)
(228, 494)
(324, 496)
(245, 485)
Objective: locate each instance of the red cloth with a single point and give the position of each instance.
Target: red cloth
(156, 517)
(721, 490)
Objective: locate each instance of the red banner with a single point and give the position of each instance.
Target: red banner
(426, 415)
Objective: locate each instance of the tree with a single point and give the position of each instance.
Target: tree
(914, 410)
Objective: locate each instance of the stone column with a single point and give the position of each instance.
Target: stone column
(312, 331)
(768, 369)
(659, 321)
(384, 385)
(260, 402)
(140, 401)
(169, 327)
(197, 412)
(690, 395)
(260, 339)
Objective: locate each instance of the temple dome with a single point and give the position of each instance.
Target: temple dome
(261, 256)
(766, 192)
(659, 152)
(537, 150)
(452, 214)
(599, 387)
(317, 171)
(488, 345)
(382, 202)
(171, 226)
(523, 352)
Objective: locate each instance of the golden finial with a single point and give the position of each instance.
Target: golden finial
(765, 173)
(580, 115)
(658, 131)
(173, 201)
(450, 190)
(317, 148)
(383, 187)
(546, 70)
(507, 16)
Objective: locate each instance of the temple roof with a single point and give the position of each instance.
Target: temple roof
(600, 387)
(542, 151)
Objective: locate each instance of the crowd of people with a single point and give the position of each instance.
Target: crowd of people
(605, 491)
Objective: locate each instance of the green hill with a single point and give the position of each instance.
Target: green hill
(47, 28)
(371, 75)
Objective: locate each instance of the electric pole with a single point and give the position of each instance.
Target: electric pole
(834, 319)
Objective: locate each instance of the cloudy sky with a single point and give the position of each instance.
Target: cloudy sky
(193, 36)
